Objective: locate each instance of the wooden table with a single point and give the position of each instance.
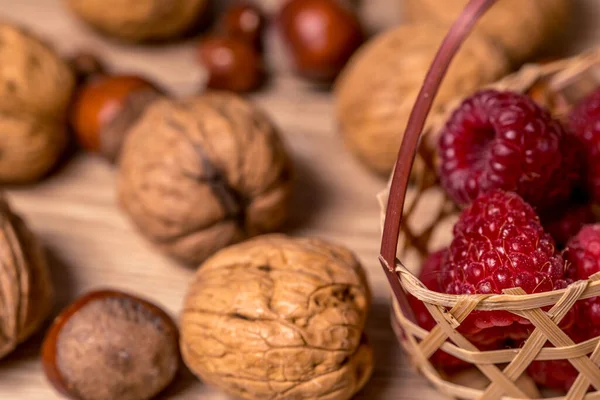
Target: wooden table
(91, 243)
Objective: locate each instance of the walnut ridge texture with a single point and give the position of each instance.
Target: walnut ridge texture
(279, 318)
(378, 87)
(139, 20)
(199, 174)
(26, 293)
(35, 90)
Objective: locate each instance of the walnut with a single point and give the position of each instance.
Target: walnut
(199, 174)
(521, 33)
(377, 89)
(279, 318)
(140, 20)
(35, 90)
(25, 285)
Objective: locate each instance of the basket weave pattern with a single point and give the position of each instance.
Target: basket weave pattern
(426, 226)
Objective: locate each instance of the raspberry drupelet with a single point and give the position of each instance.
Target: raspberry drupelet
(504, 140)
(500, 243)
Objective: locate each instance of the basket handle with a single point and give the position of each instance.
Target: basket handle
(393, 215)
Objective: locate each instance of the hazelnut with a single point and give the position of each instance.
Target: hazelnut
(86, 66)
(36, 86)
(321, 35)
(231, 63)
(245, 22)
(111, 345)
(25, 286)
(278, 317)
(142, 20)
(105, 107)
(198, 174)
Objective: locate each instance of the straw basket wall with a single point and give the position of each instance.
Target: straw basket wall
(426, 226)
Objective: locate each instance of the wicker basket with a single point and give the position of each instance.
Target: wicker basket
(426, 225)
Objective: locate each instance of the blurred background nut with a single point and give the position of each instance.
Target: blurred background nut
(86, 66)
(110, 345)
(232, 64)
(521, 28)
(140, 20)
(376, 91)
(245, 22)
(35, 90)
(277, 317)
(105, 108)
(198, 174)
(321, 35)
(25, 287)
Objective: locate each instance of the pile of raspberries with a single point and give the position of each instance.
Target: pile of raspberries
(527, 184)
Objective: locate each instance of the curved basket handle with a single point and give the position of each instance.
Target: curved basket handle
(393, 216)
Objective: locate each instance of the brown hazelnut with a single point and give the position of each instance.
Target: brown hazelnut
(232, 64)
(36, 86)
(142, 20)
(245, 22)
(105, 107)
(198, 174)
(321, 36)
(25, 286)
(109, 345)
(278, 317)
(86, 66)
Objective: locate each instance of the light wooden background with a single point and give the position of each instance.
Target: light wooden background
(92, 245)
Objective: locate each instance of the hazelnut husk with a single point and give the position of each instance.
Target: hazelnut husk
(106, 107)
(376, 91)
(35, 89)
(321, 35)
(521, 28)
(142, 21)
(201, 173)
(232, 64)
(110, 345)
(278, 317)
(25, 284)
(243, 21)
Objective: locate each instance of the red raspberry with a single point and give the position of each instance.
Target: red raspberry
(565, 225)
(504, 140)
(583, 253)
(585, 124)
(499, 243)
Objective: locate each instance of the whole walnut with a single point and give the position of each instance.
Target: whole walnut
(199, 174)
(140, 20)
(279, 318)
(35, 90)
(522, 28)
(376, 91)
(25, 286)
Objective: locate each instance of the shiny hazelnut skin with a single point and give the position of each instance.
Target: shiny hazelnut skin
(88, 336)
(245, 22)
(98, 103)
(86, 66)
(321, 35)
(231, 64)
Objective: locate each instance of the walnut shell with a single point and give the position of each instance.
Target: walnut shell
(376, 91)
(25, 286)
(35, 91)
(140, 20)
(521, 33)
(199, 174)
(279, 318)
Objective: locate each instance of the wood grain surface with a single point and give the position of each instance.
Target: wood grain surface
(92, 245)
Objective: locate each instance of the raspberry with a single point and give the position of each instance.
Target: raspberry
(499, 243)
(429, 277)
(566, 224)
(583, 253)
(503, 140)
(585, 125)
